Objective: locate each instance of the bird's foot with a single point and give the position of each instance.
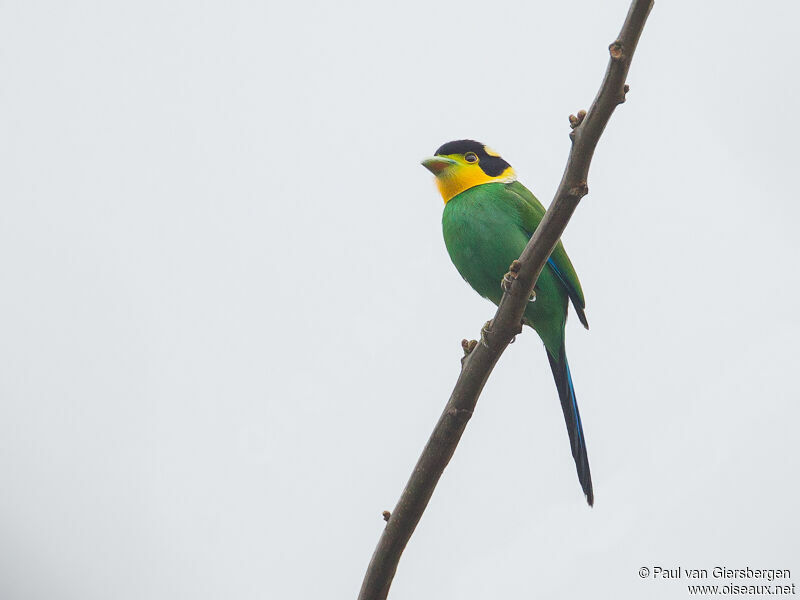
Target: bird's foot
(508, 278)
(468, 346)
(485, 331)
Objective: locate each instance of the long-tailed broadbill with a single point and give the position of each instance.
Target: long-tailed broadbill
(488, 219)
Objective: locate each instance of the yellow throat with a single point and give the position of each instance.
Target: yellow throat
(462, 176)
(463, 164)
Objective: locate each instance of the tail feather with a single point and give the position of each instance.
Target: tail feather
(569, 404)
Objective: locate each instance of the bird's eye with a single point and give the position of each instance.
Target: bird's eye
(471, 157)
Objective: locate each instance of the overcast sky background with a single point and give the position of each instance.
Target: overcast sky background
(228, 322)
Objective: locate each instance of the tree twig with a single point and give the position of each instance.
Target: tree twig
(587, 128)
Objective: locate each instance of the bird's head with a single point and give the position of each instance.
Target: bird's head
(463, 164)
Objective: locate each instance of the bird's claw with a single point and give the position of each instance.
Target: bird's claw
(507, 282)
(508, 278)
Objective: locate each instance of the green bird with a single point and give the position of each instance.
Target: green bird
(488, 219)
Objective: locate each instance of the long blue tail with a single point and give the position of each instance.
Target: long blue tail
(569, 404)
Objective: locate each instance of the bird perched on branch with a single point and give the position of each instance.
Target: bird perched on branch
(488, 219)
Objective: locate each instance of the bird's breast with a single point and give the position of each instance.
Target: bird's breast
(483, 236)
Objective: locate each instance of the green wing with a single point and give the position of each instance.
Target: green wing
(531, 211)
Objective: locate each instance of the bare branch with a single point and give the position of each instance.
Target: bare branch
(481, 358)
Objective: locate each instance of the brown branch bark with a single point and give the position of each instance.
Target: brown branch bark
(587, 128)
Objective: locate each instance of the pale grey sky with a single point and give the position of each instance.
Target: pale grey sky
(229, 321)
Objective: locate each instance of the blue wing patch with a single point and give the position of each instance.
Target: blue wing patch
(576, 301)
